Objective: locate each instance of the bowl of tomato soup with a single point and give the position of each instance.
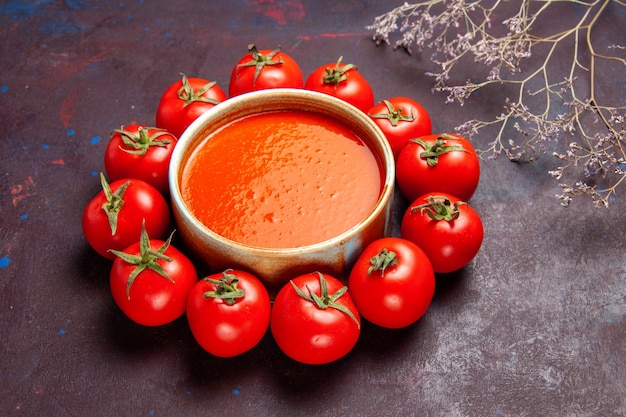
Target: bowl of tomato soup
(282, 182)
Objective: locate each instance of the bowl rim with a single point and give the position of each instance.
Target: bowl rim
(189, 139)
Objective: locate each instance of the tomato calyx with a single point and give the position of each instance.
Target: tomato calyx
(147, 258)
(439, 208)
(338, 73)
(326, 300)
(432, 152)
(394, 116)
(383, 260)
(142, 141)
(189, 95)
(226, 288)
(259, 61)
(114, 202)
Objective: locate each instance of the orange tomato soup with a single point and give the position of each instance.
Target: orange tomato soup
(281, 179)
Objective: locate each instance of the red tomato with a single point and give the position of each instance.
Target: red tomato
(150, 281)
(401, 119)
(140, 152)
(114, 217)
(343, 81)
(228, 313)
(314, 320)
(184, 101)
(392, 283)
(261, 70)
(446, 228)
(438, 163)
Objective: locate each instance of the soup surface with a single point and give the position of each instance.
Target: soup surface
(281, 179)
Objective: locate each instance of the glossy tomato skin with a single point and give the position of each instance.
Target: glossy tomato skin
(281, 75)
(123, 161)
(398, 295)
(153, 300)
(456, 172)
(175, 115)
(401, 119)
(141, 201)
(449, 244)
(308, 334)
(229, 330)
(355, 89)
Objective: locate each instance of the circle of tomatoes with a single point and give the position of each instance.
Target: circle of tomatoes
(264, 69)
(449, 230)
(150, 281)
(113, 218)
(314, 320)
(401, 119)
(228, 313)
(438, 163)
(343, 81)
(392, 283)
(140, 152)
(186, 100)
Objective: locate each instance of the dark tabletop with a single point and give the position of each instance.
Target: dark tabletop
(534, 326)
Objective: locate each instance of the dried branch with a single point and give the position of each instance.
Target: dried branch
(554, 99)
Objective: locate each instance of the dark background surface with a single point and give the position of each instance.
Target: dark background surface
(534, 326)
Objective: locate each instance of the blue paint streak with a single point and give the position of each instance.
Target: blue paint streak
(95, 139)
(24, 216)
(4, 88)
(4, 261)
(62, 331)
(75, 4)
(25, 8)
(62, 27)
(70, 132)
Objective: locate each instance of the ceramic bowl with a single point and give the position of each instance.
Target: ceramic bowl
(275, 266)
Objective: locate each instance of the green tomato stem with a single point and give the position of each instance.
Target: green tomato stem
(147, 258)
(140, 143)
(226, 288)
(114, 202)
(259, 61)
(189, 95)
(432, 152)
(326, 300)
(439, 208)
(383, 260)
(394, 115)
(337, 74)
